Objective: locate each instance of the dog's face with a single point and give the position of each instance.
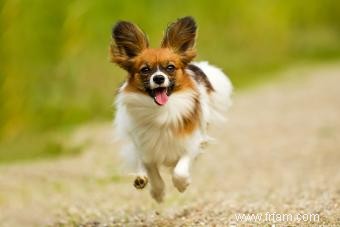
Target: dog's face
(157, 72)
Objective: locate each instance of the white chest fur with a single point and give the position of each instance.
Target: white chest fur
(151, 128)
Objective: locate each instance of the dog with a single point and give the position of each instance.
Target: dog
(167, 102)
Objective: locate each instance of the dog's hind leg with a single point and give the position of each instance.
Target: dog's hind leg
(156, 181)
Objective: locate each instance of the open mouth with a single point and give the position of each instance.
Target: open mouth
(160, 95)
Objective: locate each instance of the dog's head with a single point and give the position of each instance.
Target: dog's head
(157, 72)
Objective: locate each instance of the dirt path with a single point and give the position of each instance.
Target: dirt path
(279, 153)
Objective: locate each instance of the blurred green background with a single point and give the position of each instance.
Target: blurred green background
(54, 67)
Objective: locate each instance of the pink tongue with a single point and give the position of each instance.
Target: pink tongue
(161, 97)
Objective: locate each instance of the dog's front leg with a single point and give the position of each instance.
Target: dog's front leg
(156, 181)
(141, 179)
(181, 173)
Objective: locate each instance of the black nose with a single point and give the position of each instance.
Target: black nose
(158, 79)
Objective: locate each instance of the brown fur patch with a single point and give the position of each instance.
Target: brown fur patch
(190, 122)
(200, 77)
(157, 56)
(134, 85)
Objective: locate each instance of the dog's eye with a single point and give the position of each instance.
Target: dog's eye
(145, 70)
(170, 68)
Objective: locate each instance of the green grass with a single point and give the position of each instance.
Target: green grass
(54, 68)
(37, 146)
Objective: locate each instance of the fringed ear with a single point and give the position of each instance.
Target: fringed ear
(127, 42)
(180, 37)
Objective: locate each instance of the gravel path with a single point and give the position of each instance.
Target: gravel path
(280, 152)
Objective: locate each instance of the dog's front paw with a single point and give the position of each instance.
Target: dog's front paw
(140, 182)
(181, 182)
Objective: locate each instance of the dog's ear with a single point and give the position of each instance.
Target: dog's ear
(127, 42)
(180, 36)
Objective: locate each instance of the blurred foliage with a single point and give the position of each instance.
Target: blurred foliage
(37, 146)
(54, 68)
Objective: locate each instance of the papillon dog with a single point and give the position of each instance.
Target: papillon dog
(166, 103)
